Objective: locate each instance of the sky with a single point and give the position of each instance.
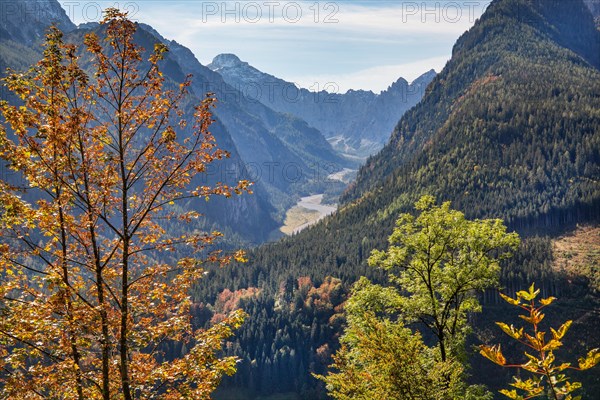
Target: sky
(333, 45)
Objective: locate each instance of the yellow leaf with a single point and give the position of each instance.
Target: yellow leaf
(526, 318)
(549, 359)
(510, 300)
(548, 301)
(592, 358)
(563, 366)
(510, 330)
(240, 256)
(552, 345)
(530, 295)
(532, 358)
(511, 394)
(493, 353)
(561, 331)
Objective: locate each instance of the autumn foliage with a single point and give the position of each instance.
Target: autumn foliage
(92, 283)
(549, 378)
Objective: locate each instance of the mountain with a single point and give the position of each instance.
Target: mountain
(594, 6)
(358, 122)
(244, 219)
(381, 115)
(282, 154)
(509, 129)
(26, 22)
(501, 118)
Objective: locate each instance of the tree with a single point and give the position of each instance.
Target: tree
(382, 358)
(549, 378)
(93, 281)
(441, 260)
(436, 262)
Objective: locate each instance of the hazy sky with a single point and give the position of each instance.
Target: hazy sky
(340, 44)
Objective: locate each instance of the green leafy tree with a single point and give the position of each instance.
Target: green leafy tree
(382, 358)
(440, 260)
(549, 379)
(436, 261)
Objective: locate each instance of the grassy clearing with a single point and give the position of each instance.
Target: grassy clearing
(578, 253)
(296, 217)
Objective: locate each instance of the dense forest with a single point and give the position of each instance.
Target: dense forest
(509, 129)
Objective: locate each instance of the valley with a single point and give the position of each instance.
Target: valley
(180, 224)
(306, 212)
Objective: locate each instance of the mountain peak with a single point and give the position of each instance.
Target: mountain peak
(425, 78)
(226, 60)
(400, 82)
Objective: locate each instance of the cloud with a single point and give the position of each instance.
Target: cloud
(304, 39)
(186, 21)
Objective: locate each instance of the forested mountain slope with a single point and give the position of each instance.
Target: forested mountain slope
(509, 129)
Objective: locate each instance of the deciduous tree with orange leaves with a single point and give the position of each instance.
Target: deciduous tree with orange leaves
(93, 286)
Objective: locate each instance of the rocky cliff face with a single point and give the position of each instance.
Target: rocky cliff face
(357, 122)
(594, 6)
(26, 21)
(23, 25)
(372, 128)
(282, 151)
